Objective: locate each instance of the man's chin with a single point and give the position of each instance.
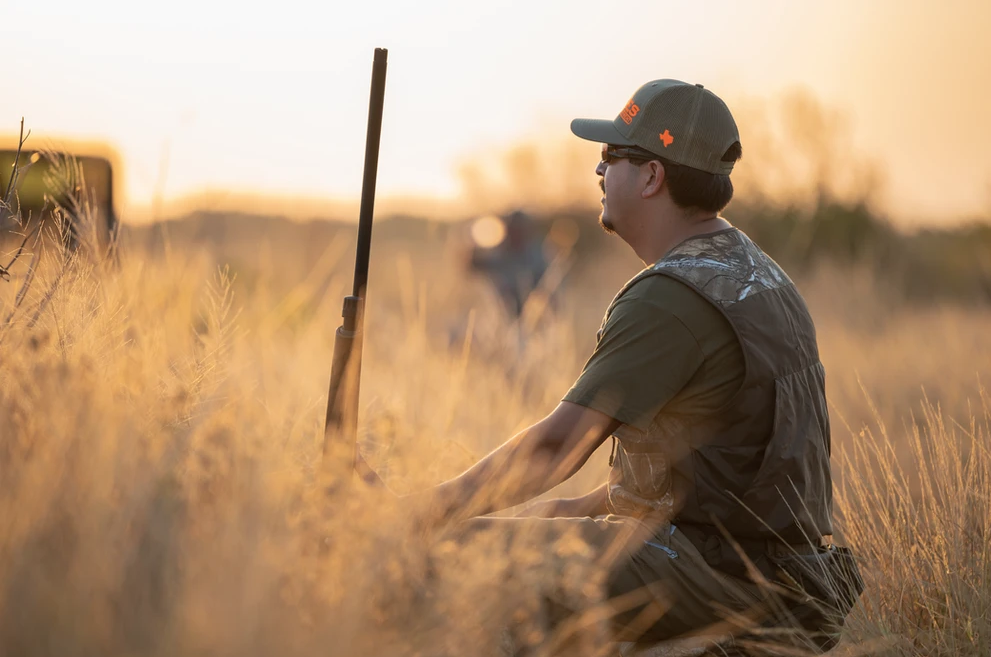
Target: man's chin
(606, 225)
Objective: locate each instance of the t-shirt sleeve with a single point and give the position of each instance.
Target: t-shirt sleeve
(644, 356)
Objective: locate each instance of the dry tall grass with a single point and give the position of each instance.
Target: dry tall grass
(160, 432)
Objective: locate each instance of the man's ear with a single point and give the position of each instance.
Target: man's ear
(654, 171)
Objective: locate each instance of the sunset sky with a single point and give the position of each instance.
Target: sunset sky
(271, 97)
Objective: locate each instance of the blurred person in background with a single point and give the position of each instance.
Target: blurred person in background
(509, 252)
(706, 376)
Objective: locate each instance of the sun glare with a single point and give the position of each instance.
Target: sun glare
(488, 231)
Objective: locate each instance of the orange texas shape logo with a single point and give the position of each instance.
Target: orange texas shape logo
(667, 138)
(631, 110)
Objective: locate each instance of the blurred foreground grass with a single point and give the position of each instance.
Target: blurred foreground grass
(161, 425)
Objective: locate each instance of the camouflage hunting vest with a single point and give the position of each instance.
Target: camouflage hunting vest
(760, 466)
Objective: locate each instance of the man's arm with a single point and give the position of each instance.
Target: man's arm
(587, 506)
(529, 464)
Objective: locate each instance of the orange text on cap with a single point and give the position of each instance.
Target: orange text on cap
(631, 110)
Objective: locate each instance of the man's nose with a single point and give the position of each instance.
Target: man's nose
(600, 169)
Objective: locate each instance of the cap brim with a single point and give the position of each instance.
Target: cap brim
(600, 130)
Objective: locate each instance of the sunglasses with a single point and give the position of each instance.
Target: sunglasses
(611, 153)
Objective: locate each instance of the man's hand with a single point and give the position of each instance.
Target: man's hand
(366, 473)
(587, 506)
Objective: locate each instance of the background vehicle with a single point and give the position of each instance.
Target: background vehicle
(56, 188)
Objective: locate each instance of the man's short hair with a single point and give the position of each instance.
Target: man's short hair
(693, 189)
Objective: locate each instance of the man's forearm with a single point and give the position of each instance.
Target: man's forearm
(512, 474)
(529, 464)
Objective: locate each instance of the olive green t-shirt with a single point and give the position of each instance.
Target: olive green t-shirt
(663, 346)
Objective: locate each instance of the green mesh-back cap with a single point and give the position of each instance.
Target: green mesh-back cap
(681, 122)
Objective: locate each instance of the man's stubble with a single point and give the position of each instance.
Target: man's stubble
(605, 223)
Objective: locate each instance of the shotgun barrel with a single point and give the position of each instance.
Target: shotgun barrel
(341, 427)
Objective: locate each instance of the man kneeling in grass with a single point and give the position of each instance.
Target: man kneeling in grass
(706, 375)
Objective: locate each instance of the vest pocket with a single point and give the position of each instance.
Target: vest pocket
(792, 491)
(721, 476)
